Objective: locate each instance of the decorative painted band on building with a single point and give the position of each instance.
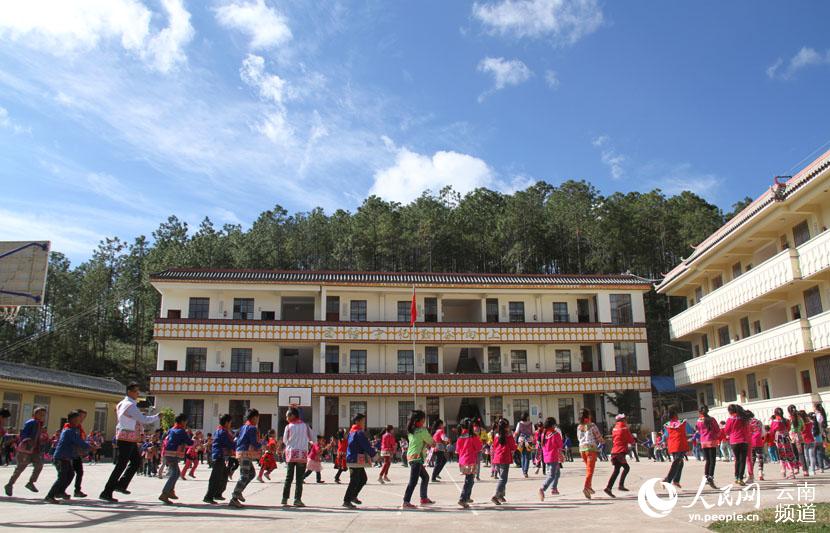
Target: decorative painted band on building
(425, 333)
(396, 385)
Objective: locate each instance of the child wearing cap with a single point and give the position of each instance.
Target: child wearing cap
(621, 437)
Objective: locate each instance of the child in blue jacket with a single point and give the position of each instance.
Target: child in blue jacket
(177, 440)
(69, 447)
(358, 456)
(247, 452)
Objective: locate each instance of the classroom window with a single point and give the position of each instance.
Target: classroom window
(796, 312)
(520, 406)
(332, 308)
(518, 361)
(812, 302)
(433, 410)
(723, 336)
(751, 386)
(801, 233)
(496, 408)
(237, 409)
(756, 327)
(709, 393)
(704, 340)
(621, 309)
(736, 270)
(431, 359)
(717, 282)
(243, 308)
(563, 360)
(516, 311)
(241, 359)
(357, 362)
(170, 365)
(430, 309)
(625, 357)
(494, 359)
(266, 367)
(99, 421)
(332, 359)
(406, 362)
(356, 408)
(560, 312)
(404, 311)
(404, 410)
(11, 401)
(822, 365)
(199, 308)
(745, 327)
(195, 360)
(492, 310)
(729, 391)
(195, 412)
(357, 310)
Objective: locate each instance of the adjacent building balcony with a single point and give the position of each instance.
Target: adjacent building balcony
(772, 345)
(763, 409)
(395, 332)
(206, 383)
(814, 255)
(820, 331)
(772, 274)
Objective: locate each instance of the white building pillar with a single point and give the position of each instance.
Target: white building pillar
(320, 423)
(604, 307)
(322, 368)
(606, 351)
(322, 314)
(440, 359)
(484, 308)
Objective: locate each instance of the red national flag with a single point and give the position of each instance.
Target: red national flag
(413, 310)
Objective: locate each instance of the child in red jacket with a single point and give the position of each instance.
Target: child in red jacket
(503, 447)
(622, 438)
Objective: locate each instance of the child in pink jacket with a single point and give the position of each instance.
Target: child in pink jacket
(550, 442)
(468, 446)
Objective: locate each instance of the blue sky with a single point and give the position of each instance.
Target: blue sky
(118, 113)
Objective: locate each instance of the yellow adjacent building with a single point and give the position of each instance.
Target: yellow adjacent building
(757, 301)
(24, 387)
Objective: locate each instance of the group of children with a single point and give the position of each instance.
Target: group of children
(798, 439)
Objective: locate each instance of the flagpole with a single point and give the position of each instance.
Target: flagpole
(414, 356)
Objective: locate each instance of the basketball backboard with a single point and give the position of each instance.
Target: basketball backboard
(23, 266)
(300, 396)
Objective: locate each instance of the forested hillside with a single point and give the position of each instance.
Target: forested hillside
(98, 315)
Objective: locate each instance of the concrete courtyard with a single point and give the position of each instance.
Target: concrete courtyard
(141, 511)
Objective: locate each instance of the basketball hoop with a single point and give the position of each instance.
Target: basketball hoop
(8, 313)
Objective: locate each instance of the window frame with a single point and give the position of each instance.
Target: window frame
(491, 310)
(404, 311)
(198, 309)
(358, 310)
(494, 369)
(243, 308)
(517, 362)
(191, 353)
(560, 358)
(358, 359)
(332, 358)
(622, 312)
(195, 417)
(406, 362)
(430, 366)
(243, 355)
(516, 312)
(812, 301)
(561, 315)
(625, 357)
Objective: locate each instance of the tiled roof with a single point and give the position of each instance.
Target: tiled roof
(395, 278)
(749, 212)
(48, 376)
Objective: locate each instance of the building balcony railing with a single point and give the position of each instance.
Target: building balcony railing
(395, 332)
(763, 409)
(820, 331)
(773, 273)
(207, 383)
(814, 255)
(774, 344)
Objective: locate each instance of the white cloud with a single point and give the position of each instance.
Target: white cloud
(265, 26)
(62, 28)
(610, 156)
(270, 86)
(64, 232)
(413, 173)
(552, 79)
(6, 122)
(675, 178)
(806, 57)
(505, 72)
(272, 89)
(564, 21)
